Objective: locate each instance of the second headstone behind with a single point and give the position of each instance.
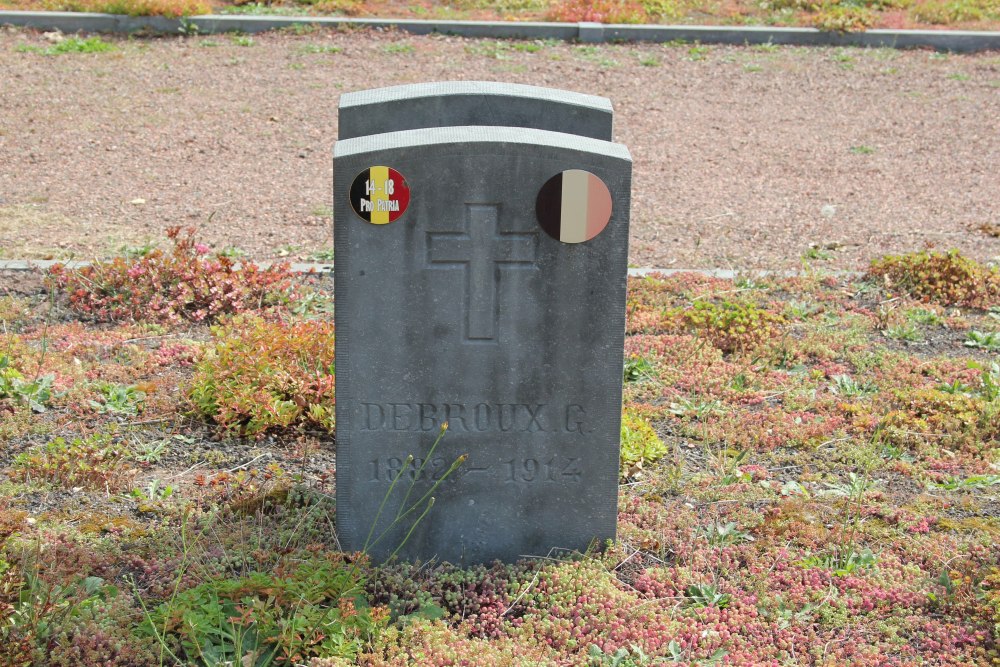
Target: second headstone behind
(455, 103)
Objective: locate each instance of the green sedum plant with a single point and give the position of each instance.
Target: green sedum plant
(92, 463)
(262, 374)
(946, 278)
(640, 445)
(730, 326)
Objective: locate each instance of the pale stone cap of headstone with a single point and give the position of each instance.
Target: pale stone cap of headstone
(453, 103)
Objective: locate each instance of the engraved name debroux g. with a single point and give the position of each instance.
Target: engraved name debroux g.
(478, 417)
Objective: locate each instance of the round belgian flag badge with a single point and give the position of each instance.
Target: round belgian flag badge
(379, 195)
(573, 206)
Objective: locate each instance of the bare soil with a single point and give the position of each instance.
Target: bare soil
(744, 157)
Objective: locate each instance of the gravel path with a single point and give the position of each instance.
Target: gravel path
(744, 157)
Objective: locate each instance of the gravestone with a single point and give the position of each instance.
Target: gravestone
(454, 103)
(480, 282)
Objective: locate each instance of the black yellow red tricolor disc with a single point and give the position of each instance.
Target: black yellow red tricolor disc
(380, 195)
(573, 206)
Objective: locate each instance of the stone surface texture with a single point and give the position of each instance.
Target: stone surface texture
(465, 311)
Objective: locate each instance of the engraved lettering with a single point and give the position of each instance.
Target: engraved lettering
(574, 418)
(456, 416)
(484, 416)
(505, 416)
(534, 423)
(398, 416)
(371, 421)
(531, 470)
(572, 470)
(389, 468)
(428, 420)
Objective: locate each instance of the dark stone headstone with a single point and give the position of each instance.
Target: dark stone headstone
(456, 103)
(480, 281)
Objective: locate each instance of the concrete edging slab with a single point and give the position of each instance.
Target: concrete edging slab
(326, 268)
(944, 40)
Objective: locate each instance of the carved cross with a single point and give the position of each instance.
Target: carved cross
(483, 250)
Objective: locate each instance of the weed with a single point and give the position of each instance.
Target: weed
(231, 252)
(975, 482)
(726, 464)
(35, 393)
(984, 340)
(301, 29)
(242, 40)
(649, 61)
(150, 452)
(301, 610)
(496, 50)
(990, 381)
(721, 534)
(800, 310)
(118, 399)
(325, 255)
(530, 47)
(72, 45)
(956, 387)
(924, 316)
(679, 655)
(421, 507)
(398, 49)
(327, 49)
(843, 563)
(189, 28)
(706, 595)
(154, 491)
(862, 149)
(853, 490)
(845, 385)
(637, 368)
(905, 332)
(134, 252)
(313, 304)
(816, 252)
(698, 52)
(694, 408)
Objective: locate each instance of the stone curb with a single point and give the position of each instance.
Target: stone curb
(943, 40)
(327, 269)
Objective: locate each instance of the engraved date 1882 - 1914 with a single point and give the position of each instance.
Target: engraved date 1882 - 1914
(524, 470)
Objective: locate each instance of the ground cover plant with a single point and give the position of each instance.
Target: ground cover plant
(800, 484)
(838, 15)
